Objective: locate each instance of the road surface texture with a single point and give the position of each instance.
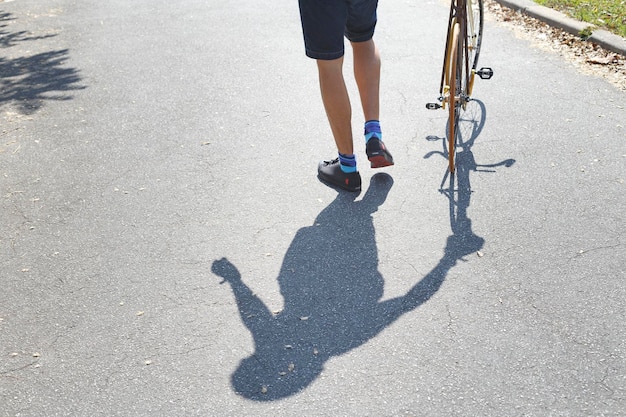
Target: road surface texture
(166, 248)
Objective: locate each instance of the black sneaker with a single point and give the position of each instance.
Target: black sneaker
(378, 154)
(330, 172)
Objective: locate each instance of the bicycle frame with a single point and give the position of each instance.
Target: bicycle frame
(458, 15)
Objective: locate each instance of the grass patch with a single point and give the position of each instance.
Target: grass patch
(607, 14)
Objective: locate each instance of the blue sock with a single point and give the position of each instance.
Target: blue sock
(372, 129)
(347, 163)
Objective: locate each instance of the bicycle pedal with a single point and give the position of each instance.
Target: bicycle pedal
(433, 106)
(485, 73)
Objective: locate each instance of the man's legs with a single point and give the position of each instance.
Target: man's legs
(335, 95)
(339, 111)
(324, 24)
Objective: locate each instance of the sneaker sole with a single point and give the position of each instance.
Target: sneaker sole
(380, 161)
(340, 185)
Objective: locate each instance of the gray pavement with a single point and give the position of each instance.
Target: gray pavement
(165, 247)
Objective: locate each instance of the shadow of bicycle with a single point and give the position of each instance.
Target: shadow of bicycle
(457, 187)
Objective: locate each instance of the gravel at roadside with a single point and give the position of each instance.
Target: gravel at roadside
(551, 30)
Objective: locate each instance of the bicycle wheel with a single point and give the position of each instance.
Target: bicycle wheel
(454, 83)
(474, 38)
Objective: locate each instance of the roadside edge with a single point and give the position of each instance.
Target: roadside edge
(604, 38)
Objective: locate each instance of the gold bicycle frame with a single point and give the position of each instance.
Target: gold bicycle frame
(463, 44)
(461, 12)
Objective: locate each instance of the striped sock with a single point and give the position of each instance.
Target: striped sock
(372, 129)
(347, 163)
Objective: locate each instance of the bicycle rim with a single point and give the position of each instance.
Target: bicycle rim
(455, 88)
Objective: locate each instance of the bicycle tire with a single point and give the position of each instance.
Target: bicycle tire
(474, 38)
(454, 83)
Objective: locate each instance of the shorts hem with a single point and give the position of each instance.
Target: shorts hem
(361, 37)
(325, 56)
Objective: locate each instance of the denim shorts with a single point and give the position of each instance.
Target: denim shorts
(326, 22)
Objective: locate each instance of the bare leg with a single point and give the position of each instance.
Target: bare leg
(367, 75)
(336, 103)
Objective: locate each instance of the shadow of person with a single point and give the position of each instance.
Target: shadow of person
(332, 288)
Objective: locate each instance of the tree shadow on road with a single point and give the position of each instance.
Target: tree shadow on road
(332, 292)
(28, 81)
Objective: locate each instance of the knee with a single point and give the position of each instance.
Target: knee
(330, 68)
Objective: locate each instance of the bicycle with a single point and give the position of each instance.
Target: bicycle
(464, 38)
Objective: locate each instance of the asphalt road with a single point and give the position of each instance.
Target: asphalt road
(166, 248)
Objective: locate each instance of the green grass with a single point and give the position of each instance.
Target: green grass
(606, 14)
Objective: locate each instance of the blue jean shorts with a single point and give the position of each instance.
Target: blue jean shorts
(326, 22)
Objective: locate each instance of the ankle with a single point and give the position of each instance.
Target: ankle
(372, 129)
(347, 163)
